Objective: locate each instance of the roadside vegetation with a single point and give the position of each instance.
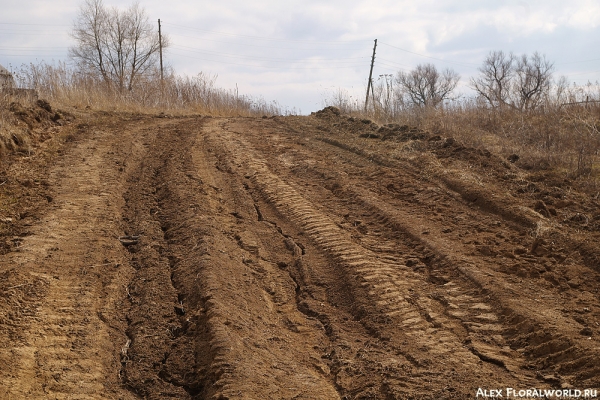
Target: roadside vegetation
(67, 86)
(115, 64)
(519, 111)
(62, 91)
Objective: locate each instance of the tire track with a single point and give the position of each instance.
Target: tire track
(480, 305)
(388, 281)
(488, 319)
(68, 348)
(386, 291)
(491, 320)
(208, 271)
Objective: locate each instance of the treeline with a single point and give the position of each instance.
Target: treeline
(517, 107)
(505, 81)
(116, 63)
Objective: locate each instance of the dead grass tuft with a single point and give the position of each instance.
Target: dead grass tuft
(67, 87)
(560, 139)
(58, 87)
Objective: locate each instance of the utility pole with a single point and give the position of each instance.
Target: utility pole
(160, 52)
(370, 84)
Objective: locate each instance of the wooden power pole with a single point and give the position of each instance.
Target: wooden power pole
(160, 52)
(370, 83)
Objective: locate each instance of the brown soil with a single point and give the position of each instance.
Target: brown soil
(23, 126)
(319, 257)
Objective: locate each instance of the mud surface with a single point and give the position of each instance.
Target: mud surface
(315, 257)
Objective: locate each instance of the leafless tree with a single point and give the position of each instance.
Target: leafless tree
(426, 86)
(533, 78)
(494, 82)
(119, 46)
(518, 82)
(384, 93)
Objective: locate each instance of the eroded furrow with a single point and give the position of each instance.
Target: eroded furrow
(212, 314)
(69, 347)
(386, 292)
(478, 302)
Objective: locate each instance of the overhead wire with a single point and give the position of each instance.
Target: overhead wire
(252, 45)
(264, 37)
(37, 57)
(264, 66)
(289, 44)
(272, 59)
(290, 63)
(584, 73)
(577, 62)
(30, 24)
(430, 57)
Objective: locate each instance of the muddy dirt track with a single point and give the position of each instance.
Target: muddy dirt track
(317, 257)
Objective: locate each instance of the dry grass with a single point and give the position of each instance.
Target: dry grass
(15, 136)
(559, 139)
(67, 87)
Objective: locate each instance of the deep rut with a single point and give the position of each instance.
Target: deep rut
(75, 266)
(212, 312)
(386, 292)
(264, 259)
(465, 292)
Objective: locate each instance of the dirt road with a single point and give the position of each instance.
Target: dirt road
(316, 257)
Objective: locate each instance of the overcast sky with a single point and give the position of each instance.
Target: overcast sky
(299, 53)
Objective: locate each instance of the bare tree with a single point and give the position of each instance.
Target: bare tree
(521, 83)
(494, 82)
(90, 33)
(384, 92)
(533, 76)
(119, 46)
(425, 86)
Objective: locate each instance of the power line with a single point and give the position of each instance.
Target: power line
(34, 29)
(256, 45)
(389, 67)
(268, 66)
(381, 66)
(577, 62)
(18, 23)
(36, 55)
(273, 59)
(35, 33)
(32, 47)
(584, 73)
(265, 37)
(30, 30)
(433, 58)
(392, 63)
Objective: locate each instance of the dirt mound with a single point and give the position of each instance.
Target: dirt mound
(27, 124)
(402, 133)
(452, 148)
(328, 113)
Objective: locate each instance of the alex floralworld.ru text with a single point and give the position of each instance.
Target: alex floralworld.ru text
(537, 393)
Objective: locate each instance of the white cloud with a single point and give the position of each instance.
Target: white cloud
(289, 51)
